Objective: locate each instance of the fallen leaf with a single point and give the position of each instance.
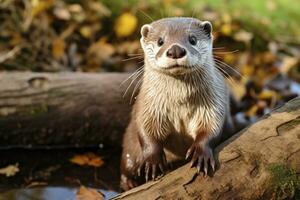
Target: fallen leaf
(76, 8)
(97, 53)
(58, 48)
(62, 13)
(36, 183)
(247, 70)
(267, 94)
(125, 25)
(287, 63)
(99, 8)
(237, 88)
(85, 31)
(10, 170)
(243, 36)
(226, 29)
(252, 111)
(128, 47)
(89, 159)
(39, 6)
(88, 194)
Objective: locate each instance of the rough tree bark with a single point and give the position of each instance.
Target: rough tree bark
(77, 109)
(260, 162)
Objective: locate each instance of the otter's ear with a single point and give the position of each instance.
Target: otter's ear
(207, 27)
(145, 30)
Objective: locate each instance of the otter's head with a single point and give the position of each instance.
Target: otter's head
(177, 45)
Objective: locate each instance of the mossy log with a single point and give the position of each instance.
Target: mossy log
(62, 109)
(260, 162)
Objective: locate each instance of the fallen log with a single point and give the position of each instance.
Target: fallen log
(61, 109)
(260, 162)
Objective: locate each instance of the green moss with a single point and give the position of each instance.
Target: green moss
(34, 110)
(286, 182)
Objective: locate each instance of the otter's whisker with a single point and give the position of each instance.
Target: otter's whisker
(226, 75)
(133, 58)
(218, 48)
(135, 88)
(225, 52)
(133, 74)
(137, 76)
(215, 56)
(226, 65)
(146, 15)
(135, 54)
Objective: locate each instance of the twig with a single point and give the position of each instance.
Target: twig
(10, 54)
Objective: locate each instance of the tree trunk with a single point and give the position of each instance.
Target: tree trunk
(260, 162)
(77, 109)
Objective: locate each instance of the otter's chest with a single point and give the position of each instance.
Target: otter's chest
(186, 116)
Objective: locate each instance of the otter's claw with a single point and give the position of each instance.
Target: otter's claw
(202, 155)
(152, 165)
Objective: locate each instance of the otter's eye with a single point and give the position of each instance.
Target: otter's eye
(192, 40)
(160, 42)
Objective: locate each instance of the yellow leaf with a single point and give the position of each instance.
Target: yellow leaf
(125, 25)
(252, 111)
(39, 6)
(89, 159)
(226, 18)
(85, 31)
(247, 70)
(88, 194)
(226, 29)
(58, 48)
(229, 58)
(10, 170)
(267, 94)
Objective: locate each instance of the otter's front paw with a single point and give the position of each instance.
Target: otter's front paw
(201, 155)
(152, 161)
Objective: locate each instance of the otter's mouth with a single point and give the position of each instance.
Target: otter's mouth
(176, 67)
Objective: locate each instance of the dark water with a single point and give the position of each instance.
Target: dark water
(49, 175)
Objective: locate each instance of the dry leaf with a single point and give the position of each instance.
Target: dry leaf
(125, 25)
(62, 13)
(267, 94)
(226, 29)
(85, 31)
(128, 47)
(88, 194)
(229, 58)
(97, 53)
(58, 48)
(252, 111)
(243, 36)
(10, 170)
(75, 8)
(99, 8)
(237, 88)
(89, 159)
(287, 63)
(39, 6)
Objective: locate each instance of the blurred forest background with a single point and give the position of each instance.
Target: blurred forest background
(257, 45)
(257, 42)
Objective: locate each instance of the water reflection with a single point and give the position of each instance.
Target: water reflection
(47, 193)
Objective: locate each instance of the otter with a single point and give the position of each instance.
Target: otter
(182, 105)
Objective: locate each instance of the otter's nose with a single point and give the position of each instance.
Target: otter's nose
(176, 52)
